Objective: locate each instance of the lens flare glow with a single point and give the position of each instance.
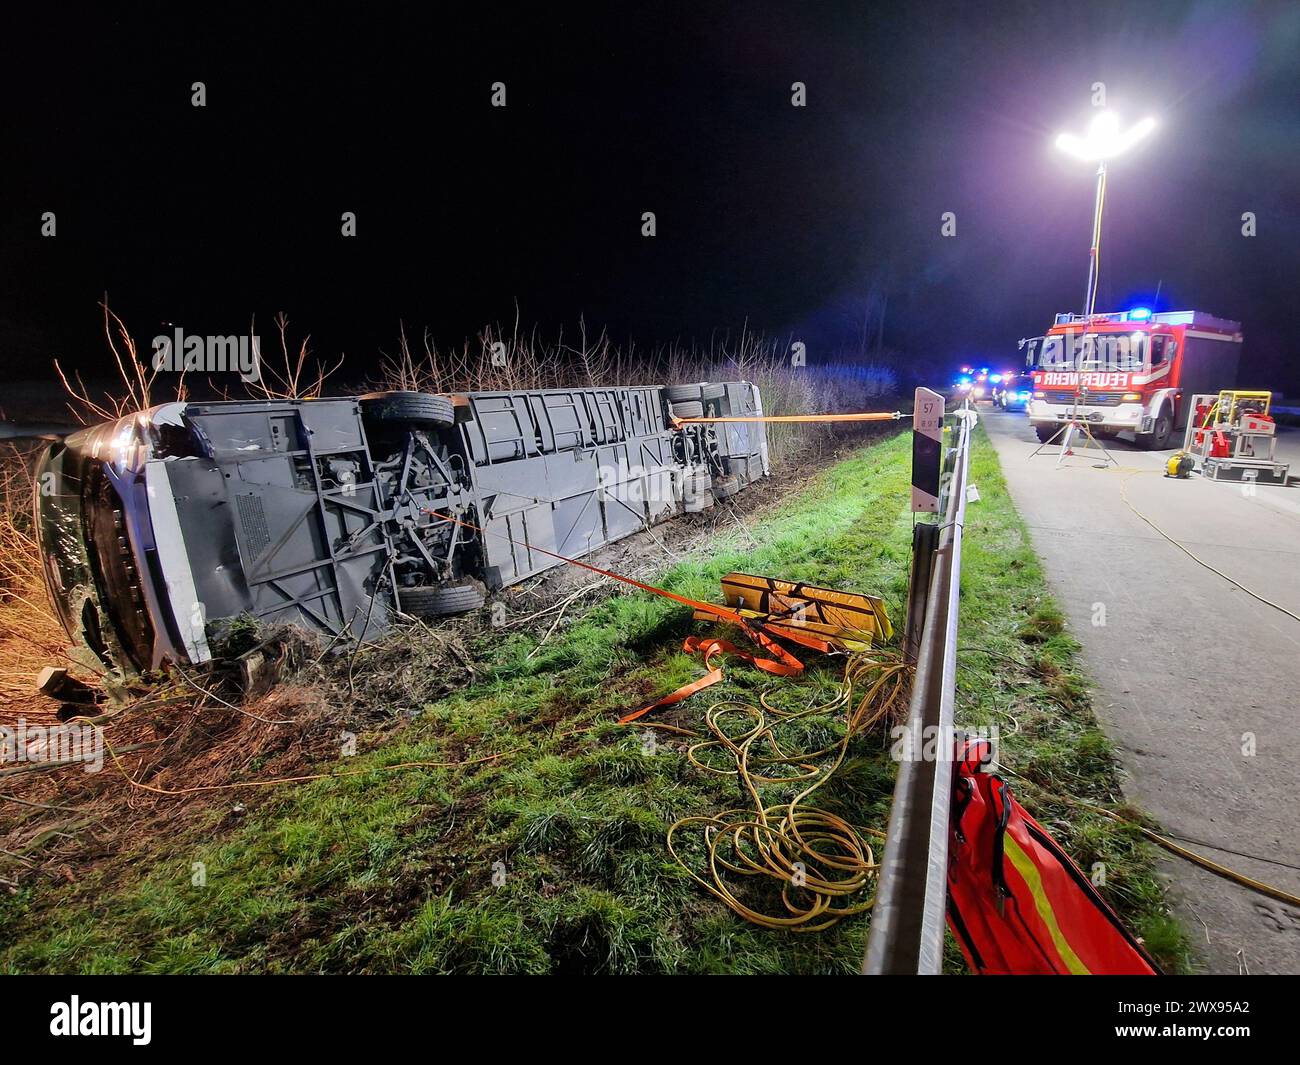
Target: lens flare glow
(1104, 139)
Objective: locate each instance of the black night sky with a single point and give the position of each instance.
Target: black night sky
(787, 218)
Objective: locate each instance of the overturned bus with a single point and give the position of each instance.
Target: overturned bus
(335, 514)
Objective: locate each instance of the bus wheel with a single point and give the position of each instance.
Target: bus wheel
(439, 600)
(421, 409)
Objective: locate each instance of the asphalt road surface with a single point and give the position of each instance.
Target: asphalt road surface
(1197, 682)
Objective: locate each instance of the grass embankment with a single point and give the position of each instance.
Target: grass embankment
(394, 871)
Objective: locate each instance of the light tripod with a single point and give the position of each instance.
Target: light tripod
(1067, 431)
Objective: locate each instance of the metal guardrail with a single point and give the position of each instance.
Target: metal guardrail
(909, 915)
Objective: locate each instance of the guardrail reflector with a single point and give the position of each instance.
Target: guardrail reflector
(927, 449)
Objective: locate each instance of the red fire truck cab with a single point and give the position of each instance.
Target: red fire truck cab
(1129, 371)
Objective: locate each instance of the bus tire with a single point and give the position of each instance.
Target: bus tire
(439, 600)
(408, 408)
(682, 393)
(725, 487)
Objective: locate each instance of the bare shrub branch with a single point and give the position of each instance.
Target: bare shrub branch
(297, 376)
(137, 378)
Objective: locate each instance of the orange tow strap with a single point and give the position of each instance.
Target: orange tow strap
(783, 665)
(873, 416)
(710, 647)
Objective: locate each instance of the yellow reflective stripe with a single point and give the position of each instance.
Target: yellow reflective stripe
(1029, 871)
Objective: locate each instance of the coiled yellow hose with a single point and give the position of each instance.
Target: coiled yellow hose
(823, 864)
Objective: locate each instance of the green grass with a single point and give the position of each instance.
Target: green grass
(552, 859)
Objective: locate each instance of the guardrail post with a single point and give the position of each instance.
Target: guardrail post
(925, 539)
(910, 911)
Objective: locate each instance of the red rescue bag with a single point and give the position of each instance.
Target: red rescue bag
(1016, 902)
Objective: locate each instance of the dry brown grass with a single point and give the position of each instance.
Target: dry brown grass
(503, 360)
(167, 756)
(30, 634)
(196, 741)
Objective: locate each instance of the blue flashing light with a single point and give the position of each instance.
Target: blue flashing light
(995, 378)
(1139, 314)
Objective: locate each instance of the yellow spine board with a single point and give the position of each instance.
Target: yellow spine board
(813, 604)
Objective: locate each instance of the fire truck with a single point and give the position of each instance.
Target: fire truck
(1129, 371)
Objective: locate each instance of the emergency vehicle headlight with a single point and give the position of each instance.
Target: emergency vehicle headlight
(1132, 397)
(1039, 395)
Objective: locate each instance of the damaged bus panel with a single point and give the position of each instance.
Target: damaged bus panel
(336, 514)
